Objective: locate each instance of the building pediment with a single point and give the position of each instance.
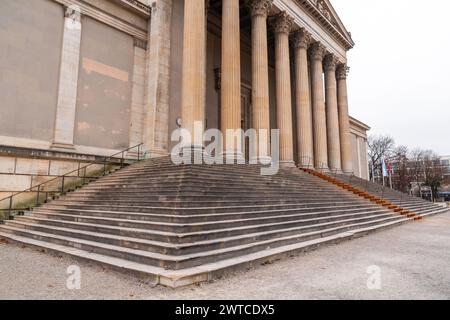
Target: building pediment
(323, 11)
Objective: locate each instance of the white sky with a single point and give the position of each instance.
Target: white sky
(399, 81)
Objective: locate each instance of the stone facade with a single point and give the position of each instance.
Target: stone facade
(113, 74)
(359, 147)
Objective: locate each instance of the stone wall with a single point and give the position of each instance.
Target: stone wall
(45, 105)
(31, 39)
(104, 87)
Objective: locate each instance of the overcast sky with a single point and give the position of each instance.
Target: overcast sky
(399, 81)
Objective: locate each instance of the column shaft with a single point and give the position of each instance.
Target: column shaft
(283, 25)
(157, 83)
(319, 116)
(305, 148)
(68, 81)
(344, 122)
(231, 74)
(194, 60)
(260, 75)
(334, 145)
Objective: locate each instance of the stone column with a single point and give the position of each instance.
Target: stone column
(260, 74)
(157, 93)
(282, 27)
(303, 100)
(334, 145)
(318, 107)
(231, 76)
(68, 81)
(344, 122)
(193, 72)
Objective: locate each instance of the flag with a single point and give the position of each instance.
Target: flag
(384, 168)
(389, 169)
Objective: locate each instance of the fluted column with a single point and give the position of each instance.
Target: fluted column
(318, 107)
(231, 74)
(193, 72)
(282, 27)
(303, 101)
(344, 122)
(334, 145)
(260, 73)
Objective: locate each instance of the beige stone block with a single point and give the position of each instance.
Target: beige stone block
(32, 166)
(14, 182)
(7, 164)
(62, 167)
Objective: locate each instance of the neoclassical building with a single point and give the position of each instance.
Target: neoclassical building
(87, 78)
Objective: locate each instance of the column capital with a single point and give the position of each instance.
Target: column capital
(317, 51)
(73, 13)
(342, 71)
(302, 39)
(282, 23)
(330, 63)
(259, 7)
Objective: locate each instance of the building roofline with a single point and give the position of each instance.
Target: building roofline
(359, 123)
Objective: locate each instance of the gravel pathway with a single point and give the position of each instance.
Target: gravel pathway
(408, 262)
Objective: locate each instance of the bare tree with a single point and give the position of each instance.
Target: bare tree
(401, 178)
(434, 173)
(379, 147)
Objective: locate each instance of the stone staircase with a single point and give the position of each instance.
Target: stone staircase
(400, 202)
(186, 224)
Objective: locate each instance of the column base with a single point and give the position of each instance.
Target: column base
(337, 171)
(287, 164)
(193, 154)
(233, 157)
(262, 160)
(62, 145)
(305, 166)
(323, 170)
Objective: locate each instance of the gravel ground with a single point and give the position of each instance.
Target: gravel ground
(413, 262)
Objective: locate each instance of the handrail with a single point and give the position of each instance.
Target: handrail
(107, 160)
(380, 190)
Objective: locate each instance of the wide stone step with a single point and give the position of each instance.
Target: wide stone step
(171, 204)
(55, 205)
(186, 261)
(204, 272)
(191, 226)
(216, 194)
(199, 217)
(213, 197)
(203, 185)
(148, 245)
(173, 237)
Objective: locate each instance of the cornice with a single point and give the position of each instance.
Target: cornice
(314, 8)
(137, 6)
(106, 18)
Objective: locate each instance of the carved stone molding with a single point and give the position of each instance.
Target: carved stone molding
(330, 63)
(109, 19)
(302, 39)
(317, 51)
(140, 43)
(72, 12)
(342, 72)
(282, 23)
(139, 5)
(259, 7)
